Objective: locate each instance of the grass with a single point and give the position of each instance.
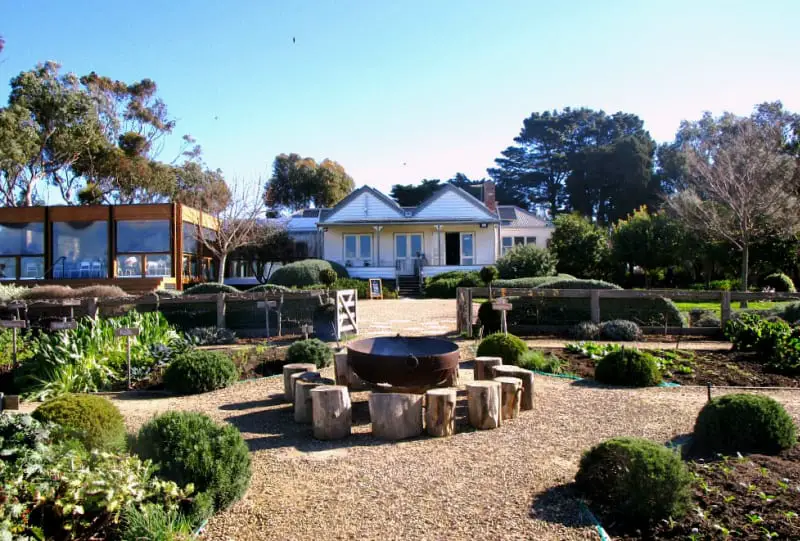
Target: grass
(715, 306)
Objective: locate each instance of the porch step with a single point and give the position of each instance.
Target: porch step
(408, 286)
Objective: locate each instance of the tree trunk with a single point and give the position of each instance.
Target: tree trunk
(527, 382)
(511, 391)
(221, 274)
(483, 404)
(332, 413)
(440, 408)
(745, 269)
(482, 367)
(395, 416)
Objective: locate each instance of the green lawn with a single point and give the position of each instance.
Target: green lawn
(714, 306)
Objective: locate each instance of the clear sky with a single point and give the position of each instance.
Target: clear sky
(400, 91)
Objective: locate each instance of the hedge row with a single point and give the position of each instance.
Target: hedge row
(569, 311)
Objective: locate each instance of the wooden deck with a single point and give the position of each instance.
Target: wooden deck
(133, 286)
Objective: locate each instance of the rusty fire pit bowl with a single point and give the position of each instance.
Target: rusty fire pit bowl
(403, 361)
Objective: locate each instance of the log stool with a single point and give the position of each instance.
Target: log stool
(483, 367)
(294, 368)
(344, 374)
(527, 382)
(303, 383)
(511, 391)
(331, 412)
(395, 416)
(440, 409)
(483, 403)
(306, 376)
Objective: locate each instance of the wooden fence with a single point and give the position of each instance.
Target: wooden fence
(466, 317)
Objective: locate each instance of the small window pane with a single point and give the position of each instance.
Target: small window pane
(190, 243)
(8, 268)
(400, 246)
(365, 250)
(129, 266)
(416, 245)
(519, 240)
(140, 236)
(82, 247)
(159, 265)
(22, 239)
(507, 242)
(350, 246)
(32, 268)
(466, 246)
(530, 240)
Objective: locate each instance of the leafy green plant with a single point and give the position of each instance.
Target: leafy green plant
(635, 481)
(744, 423)
(211, 336)
(744, 331)
(786, 359)
(192, 448)
(25, 347)
(93, 420)
(524, 261)
(779, 282)
(327, 277)
(536, 360)
(20, 434)
(200, 372)
(629, 367)
(507, 346)
(592, 350)
(154, 522)
(310, 351)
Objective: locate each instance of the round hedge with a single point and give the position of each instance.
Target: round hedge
(191, 448)
(93, 420)
(489, 274)
(620, 330)
(629, 367)
(635, 481)
(312, 350)
(780, 282)
(268, 288)
(327, 277)
(526, 260)
(507, 346)
(198, 371)
(209, 288)
(341, 270)
(744, 423)
(489, 318)
(585, 330)
(300, 273)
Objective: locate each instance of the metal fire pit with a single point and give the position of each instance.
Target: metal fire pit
(404, 361)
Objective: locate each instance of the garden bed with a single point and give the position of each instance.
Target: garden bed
(715, 367)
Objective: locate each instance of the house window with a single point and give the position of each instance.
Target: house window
(530, 240)
(358, 246)
(508, 243)
(519, 241)
(80, 249)
(467, 249)
(21, 251)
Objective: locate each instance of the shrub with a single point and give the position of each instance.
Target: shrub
(531, 282)
(489, 318)
(327, 277)
(167, 293)
(786, 359)
(771, 334)
(536, 360)
(211, 336)
(620, 330)
(66, 292)
(578, 284)
(191, 448)
(93, 420)
(198, 371)
(629, 367)
(489, 274)
(209, 288)
(449, 275)
(571, 311)
(526, 260)
(441, 289)
(300, 273)
(779, 282)
(10, 292)
(341, 270)
(744, 331)
(635, 481)
(585, 330)
(310, 351)
(19, 433)
(790, 313)
(471, 279)
(268, 288)
(744, 423)
(507, 346)
(152, 521)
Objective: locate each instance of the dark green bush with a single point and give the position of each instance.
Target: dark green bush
(20, 433)
(442, 289)
(790, 313)
(507, 346)
(744, 331)
(327, 277)
(531, 282)
(620, 330)
(211, 336)
(489, 274)
(300, 273)
(310, 351)
(199, 371)
(743, 423)
(209, 288)
(578, 284)
(585, 330)
(629, 367)
(524, 261)
(341, 270)
(786, 359)
(780, 282)
(93, 420)
(571, 311)
(190, 448)
(449, 275)
(268, 288)
(634, 481)
(489, 318)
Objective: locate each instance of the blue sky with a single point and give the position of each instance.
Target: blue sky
(438, 86)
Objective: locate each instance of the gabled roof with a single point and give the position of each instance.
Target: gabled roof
(512, 216)
(447, 188)
(388, 201)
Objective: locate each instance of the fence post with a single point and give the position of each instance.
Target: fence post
(220, 310)
(91, 307)
(725, 307)
(594, 305)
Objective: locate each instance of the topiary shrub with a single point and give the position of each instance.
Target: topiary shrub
(200, 371)
(620, 330)
(629, 367)
(310, 351)
(489, 274)
(441, 289)
(341, 270)
(634, 481)
(779, 282)
(531, 282)
(268, 288)
(524, 261)
(93, 420)
(507, 346)
(191, 448)
(209, 288)
(489, 318)
(578, 284)
(327, 277)
(585, 330)
(744, 423)
(300, 273)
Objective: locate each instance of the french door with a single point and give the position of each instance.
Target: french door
(407, 249)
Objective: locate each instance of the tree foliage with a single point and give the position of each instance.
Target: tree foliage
(579, 246)
(411, 195)
(299, 182)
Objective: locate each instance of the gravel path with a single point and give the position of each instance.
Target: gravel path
(500, 484)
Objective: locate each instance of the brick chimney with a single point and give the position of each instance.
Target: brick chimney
(489, 198)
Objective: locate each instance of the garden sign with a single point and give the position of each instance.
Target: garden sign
(375, 288)
(502, 305)
(128, 333)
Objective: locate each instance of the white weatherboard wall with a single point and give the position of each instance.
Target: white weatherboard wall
(451, 204)
(365, 206)
(542, 234)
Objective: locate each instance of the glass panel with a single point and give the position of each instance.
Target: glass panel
(350, 246)
(190, 266)
(507, 242)
(8, 268)
(519, 240)
(365, 251)
(190, 243)
(84, 247)
(22, 239)
(400, 246)
(416, 245)
(466, 245)
(159, 265)
(530, 240)
(32, 268)
(129, 266)
(140, 236)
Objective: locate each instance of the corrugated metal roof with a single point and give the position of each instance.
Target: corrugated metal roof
(512, 216)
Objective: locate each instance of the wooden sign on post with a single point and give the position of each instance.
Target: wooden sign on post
(128, 333)
(375, 288)
(63, 325)
(502, 305)
(13, 324)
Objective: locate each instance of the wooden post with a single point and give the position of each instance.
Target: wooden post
(526, 376)
(302, 376)
(482, 368)
(91, 307)
(440, 408)
(502, 305)
(280, 317)
(395, 416)
(331, 412)
(302, 397)
(220, 310)
(294, 368)
(483, 404)
(511, 391)
(725, 308)
(594, 305)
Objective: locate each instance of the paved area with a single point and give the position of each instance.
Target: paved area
(409, 317)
